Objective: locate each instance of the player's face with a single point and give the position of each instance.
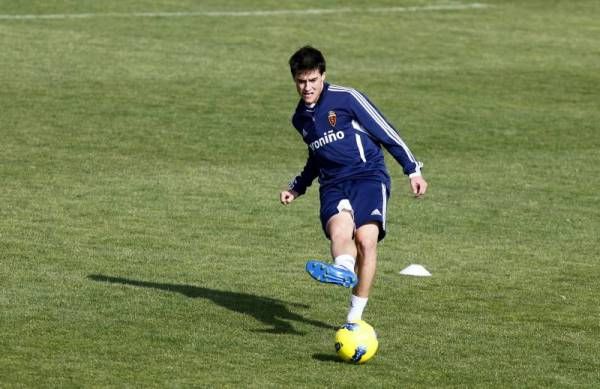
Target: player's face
(309, 85)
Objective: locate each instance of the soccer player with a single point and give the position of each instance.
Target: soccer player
(345, 134)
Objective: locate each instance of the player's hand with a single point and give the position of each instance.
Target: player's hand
(418, 186)
(287, 196)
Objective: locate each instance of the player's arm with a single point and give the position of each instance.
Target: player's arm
(380, 129)
(287, 196)
(298, 185)
(418, 185)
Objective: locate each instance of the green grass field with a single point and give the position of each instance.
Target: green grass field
(142, 243)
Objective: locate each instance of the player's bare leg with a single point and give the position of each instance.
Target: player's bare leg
(366, 241)
(340, 229)
(366, 264)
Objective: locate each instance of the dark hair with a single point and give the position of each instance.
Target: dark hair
(307, 58)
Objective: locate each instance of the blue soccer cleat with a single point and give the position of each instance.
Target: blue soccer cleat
(331, 274)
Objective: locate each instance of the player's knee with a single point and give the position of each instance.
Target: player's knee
(367, 238)
(340, 234)
(366, 243)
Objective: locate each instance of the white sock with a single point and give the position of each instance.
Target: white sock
(357, 306)
(346, 261)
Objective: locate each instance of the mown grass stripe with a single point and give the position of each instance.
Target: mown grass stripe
(281, 12)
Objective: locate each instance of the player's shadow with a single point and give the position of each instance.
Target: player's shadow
(269, 311)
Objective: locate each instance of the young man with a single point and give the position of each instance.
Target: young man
(344, 133)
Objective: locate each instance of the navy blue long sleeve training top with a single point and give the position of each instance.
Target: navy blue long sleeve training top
(345, 133)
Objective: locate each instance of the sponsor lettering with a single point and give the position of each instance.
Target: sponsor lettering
(329, 137)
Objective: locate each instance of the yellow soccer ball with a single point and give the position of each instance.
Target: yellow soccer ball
(356, 342)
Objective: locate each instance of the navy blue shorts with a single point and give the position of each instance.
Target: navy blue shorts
(365, 199)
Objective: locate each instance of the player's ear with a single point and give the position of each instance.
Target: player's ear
(323, 75)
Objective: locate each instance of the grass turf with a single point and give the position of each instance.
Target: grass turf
(142, 243)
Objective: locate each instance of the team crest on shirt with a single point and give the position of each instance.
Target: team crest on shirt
(332, 118)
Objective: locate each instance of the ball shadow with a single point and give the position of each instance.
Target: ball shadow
(327, 358)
